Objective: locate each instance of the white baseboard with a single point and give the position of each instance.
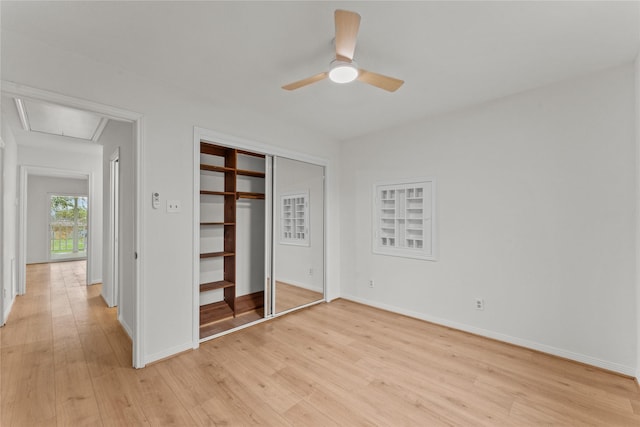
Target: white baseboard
(7, 311)
(168, 352)
(604, 364)
(126, 327)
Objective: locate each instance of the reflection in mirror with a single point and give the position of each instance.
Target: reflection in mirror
(298, 233)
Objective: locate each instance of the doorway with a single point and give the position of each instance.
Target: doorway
(68, 227)
(134, 209)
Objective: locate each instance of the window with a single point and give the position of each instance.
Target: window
(404, 221)
(68, 226)
(294, 219)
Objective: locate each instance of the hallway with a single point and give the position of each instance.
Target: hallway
(63, 352)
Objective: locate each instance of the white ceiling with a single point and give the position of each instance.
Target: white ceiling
(450, 54)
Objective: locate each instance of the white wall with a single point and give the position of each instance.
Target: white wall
(293, 262)
(535, 211)
(170, 115)
(637, 118)
(1, 231)
(9, 220)
(39, 190)
(119, 136)
(65, 154)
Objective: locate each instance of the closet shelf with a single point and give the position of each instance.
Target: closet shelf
(223, 177)
(210, 313)
(217, 193)
(221, 284)
(247, 195)
(250, 173)
(216, 254)
(213, 168)
(249, 153)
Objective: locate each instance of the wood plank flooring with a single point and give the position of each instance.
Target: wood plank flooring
(64, 360)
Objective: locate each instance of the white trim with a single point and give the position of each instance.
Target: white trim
(17, 90)
(113, 212)
(21, 252)
(88, 242)
(269, 241)
(2, 283)
(195, 279)
(593, 361)
(98, 132)
(34, 94)
(256, 147)
(6, 313)
(168, 352)
(138, 337)
(22, 113)
(125, 326)
(637, 215)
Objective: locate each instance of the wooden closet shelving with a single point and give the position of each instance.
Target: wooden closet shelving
(232, 304)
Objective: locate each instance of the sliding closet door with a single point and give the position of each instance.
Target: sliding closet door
(298, 234)
(269, 246)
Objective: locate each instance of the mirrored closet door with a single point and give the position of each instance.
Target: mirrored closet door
(298, 234)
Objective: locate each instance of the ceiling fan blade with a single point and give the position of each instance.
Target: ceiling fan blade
(305, 82)
(378, 80)
(347, 25)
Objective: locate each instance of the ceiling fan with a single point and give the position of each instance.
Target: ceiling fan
(343, 69)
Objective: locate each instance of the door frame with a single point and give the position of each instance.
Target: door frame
(24, 174)
(231, 141)
(13, 89)
(3, 296)
(113, 239)
(87, 245)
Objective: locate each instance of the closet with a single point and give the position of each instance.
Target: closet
(259, 244)
(231, 237)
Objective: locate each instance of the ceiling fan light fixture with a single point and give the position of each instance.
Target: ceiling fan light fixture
(342, 71)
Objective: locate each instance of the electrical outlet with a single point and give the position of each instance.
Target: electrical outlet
(174, 206)
(371, 283)
(479, 304)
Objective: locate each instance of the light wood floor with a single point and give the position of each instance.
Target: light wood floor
(65, 361)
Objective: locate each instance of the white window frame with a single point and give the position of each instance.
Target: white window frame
(404, 222)
(300, 218)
